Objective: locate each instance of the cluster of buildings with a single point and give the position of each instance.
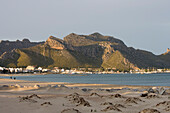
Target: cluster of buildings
(28, 69)
(33, 69)
(56, 70)
(150, 71)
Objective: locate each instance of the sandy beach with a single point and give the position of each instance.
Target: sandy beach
(19, 96)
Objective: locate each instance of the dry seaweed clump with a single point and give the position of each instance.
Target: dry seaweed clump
(149, 96)
(133, 100)
(95, 95)
(116, 96)
(115, 107)
(72, 95)
(34, 96)
(165, 104)
(30, 98)
(152, 96)
(106, 103)
(148, 110)
(46, 103)
(119, 105)
(70, 111)
(81, 101)
(75, 98)
(109, 108)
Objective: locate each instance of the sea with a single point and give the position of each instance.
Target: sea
(159, 79)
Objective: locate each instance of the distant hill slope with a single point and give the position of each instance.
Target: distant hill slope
(94, 50)
(165, 56)
(6, 46)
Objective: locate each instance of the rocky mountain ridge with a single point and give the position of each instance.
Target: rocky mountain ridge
(94, 50)
(6, 46)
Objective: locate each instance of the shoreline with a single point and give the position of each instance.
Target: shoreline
(85, 84)
(17, 96)
(13, 82)
(83, 74)
(24, 74)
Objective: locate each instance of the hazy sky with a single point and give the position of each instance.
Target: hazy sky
(142, 24)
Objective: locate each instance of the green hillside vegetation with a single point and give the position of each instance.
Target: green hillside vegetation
(10, 62)
(48, 57)
(116, 61)
(32, 58)
(24, 60)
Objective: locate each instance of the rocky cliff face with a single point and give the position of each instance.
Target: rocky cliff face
(7, 46)
(55, 43)
(94, 50)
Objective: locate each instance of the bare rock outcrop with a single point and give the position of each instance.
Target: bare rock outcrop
(55, 43)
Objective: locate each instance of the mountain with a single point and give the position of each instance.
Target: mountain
(94, 50)
(166, 56)
(6, 46)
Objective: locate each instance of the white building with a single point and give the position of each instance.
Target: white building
(1, 68)
(45, 70)
(40, 68)
(30, 68)
(62, 70)
(160, 70)
(11, 70)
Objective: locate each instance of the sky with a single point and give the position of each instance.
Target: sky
(142, 24)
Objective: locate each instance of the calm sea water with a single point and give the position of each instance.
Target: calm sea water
(120, 79)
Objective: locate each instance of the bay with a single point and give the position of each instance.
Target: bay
(162, 79)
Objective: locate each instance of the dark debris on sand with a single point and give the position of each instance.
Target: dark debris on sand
(149, 96)
(115, 107)
(133, 100)
(119, 106)
(72, 95)
(166, 104)
(95, 94)
(106, 103)
(34, 95)
(75, 98)
(116, 96)
(46, 103)
(70, 110)
(109, 108)
(148, 110)
(30, 98)
(144, 95)
(152, 96)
